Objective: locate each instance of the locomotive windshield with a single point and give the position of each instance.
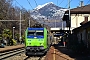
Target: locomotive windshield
(30, 33)
(39, 33)
(36, 33)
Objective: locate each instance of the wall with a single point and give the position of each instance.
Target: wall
(76, 19)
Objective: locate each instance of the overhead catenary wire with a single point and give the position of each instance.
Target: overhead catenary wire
(35, 2)
(84, 6)
(79, 2)
(11, 20)
(61, 2)
(30, 4)
(57, 2)
(75, 15)
(20, 24)
(68, 3)
(81, 9)
(88, 1)
(19, 4)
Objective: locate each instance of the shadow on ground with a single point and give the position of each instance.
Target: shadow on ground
(72, 54)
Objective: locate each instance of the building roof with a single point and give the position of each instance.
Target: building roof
(84, 26)
(83, 9)
(80, 10)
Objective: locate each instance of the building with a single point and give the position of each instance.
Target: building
(79, 16)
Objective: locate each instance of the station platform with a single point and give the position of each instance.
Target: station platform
(58, 53)
(7, 48)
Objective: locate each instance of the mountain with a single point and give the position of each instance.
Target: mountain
(47, 13)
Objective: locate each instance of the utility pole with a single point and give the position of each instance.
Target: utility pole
(13, 31)
(69, 15)
(55, 21)
(20, 28)
(62, 25)
(29, 20)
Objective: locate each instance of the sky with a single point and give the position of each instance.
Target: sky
(60, 3)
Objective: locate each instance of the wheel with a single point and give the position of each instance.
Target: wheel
(26, 53)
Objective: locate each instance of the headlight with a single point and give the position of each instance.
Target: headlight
(41, 43)
(40, 39)
(28, 43)
(27, 48)
(41, 47)
(29, 40)
(58, 38)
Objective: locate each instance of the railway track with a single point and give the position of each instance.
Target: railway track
(7, 54)
(18, 54)
(35, 58)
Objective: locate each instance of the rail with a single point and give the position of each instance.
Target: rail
(7, 54)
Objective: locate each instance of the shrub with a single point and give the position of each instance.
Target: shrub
(14, 42)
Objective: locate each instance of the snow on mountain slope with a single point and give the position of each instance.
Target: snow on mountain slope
(48, 11)
(41, 6)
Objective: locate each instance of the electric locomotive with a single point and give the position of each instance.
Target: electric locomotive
(36, 41)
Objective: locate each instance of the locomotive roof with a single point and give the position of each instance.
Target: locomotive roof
(35, 28)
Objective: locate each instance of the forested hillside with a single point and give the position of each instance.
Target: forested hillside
(10, 12)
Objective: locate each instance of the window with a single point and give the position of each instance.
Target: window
(86, 18)
(30, 33)
(40, 32)
(35, 33)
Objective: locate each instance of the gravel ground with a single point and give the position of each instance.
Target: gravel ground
(21, 56)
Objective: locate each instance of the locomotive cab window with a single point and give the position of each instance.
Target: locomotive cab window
(39, 32)
(31, 33)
